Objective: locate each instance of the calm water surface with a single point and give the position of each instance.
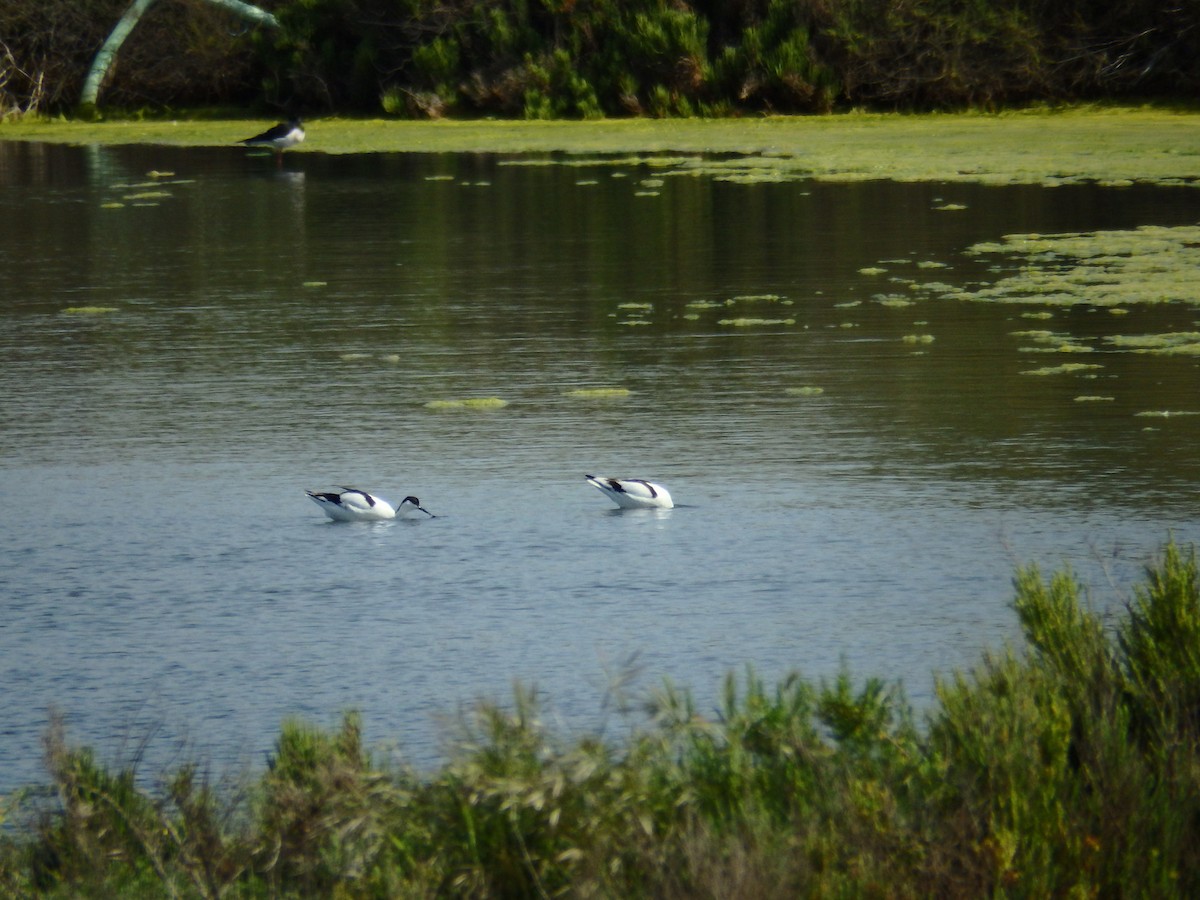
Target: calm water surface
(168, 584)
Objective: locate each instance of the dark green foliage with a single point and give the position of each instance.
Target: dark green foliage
(590, 58)
(1071, 769)
(586, 58)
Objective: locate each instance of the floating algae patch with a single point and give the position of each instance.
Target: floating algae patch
(314, 284)
(1107, 269)
(759, 298)
(1051, 342)
(807, 391)
(893, 302)
(89, 310)
(918, 339)
(599, 393)
(1093, 398)
(871, 270)
(645, 306)
(757, 177)
(1064, 369)
(353, 357)
(148, 195)
(472, 403)
(1179, 343)
(749, 322)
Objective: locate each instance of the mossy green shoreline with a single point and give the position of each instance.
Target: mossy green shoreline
(1117, 145)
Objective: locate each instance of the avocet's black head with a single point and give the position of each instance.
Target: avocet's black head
(417, 503)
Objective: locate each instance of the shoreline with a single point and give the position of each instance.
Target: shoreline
(1107, 145)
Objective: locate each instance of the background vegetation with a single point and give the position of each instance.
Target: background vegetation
(1069, 769)
(590, 58)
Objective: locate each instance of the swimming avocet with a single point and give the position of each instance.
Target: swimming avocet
(352, 505)
(278, 137)
(632, 493)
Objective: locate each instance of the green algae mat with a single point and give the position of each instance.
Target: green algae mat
(1100, 145)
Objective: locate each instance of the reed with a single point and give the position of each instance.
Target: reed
(1068, 766)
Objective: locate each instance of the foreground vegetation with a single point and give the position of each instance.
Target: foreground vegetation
(595, 58)
(1069, 769)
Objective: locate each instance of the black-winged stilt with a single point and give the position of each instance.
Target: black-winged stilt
(278, 137)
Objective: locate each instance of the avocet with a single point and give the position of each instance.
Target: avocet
(349, 504)
(632, 493)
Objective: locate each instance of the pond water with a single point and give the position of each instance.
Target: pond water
(191, 338)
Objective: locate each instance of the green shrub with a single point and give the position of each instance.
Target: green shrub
(1069, 767)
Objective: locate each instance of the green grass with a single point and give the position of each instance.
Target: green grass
(1069, 767)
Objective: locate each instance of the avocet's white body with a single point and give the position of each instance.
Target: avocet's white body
(349, 504)
(632, 493)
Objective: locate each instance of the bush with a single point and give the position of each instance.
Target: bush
(1071, 768)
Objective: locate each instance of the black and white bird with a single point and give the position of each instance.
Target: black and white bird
(632, 493)
(349, 504)
(278, 137)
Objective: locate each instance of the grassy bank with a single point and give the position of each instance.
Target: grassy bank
(1070, 769)
(1112, 145)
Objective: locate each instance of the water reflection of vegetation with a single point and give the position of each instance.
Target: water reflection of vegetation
(1067, 770)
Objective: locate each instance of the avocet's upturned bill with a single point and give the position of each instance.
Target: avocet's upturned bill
(632, 493)
(349, 504)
